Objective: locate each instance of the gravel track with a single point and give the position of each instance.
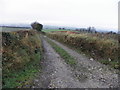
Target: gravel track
(87, 74)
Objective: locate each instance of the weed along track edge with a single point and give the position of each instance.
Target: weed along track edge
(68, 58)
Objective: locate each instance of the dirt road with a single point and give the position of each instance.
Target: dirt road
(88, 74)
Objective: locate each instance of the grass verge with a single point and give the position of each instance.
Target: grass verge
(22, 78)
(68, 58)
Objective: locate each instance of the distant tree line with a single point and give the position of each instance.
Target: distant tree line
(61, 28)
(92, 30)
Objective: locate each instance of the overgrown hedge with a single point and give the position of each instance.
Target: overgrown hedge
(104, 49)
(21, 50)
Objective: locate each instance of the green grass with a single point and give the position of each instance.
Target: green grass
(8, 29)
(68, 58)
(24, 76)
(51, 30)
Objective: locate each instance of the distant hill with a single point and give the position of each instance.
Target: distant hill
(16, 25)
(55, 27)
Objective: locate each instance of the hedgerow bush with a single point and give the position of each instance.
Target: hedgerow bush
(98, 48)
(20, 50)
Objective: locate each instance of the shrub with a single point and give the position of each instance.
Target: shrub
(37, 26)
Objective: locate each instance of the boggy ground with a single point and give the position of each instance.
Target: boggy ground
(87, 74)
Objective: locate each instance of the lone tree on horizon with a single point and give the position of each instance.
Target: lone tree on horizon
(37, 26)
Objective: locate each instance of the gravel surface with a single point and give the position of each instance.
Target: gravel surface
(87, 74)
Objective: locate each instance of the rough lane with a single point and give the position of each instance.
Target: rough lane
(57, 74)
(98, 75)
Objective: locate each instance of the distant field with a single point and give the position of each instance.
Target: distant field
(9, 29)
(100, 35)
(53, 30)
(50, 30)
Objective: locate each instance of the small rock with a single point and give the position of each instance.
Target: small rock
(92, 68)
(33, 86)
(100, 69)
(89, 69)
(52, 74)
(54, 71)
(36, 80)
(102, 79)
(111, 86)
(91, 59)
(93, 76)
(109, 59)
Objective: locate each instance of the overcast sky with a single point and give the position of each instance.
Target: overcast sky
(81, 13)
